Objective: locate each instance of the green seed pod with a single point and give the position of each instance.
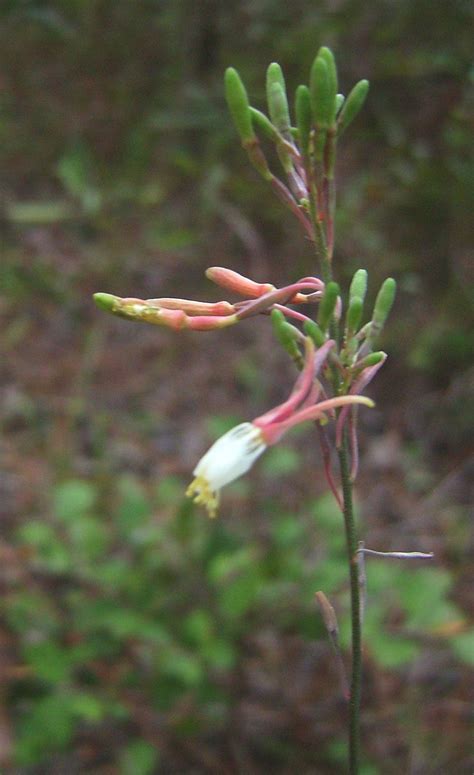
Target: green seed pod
(303, 117)
(358, 285)
(277, 99)
(339, 102)
(238, 103)
(354, 315)
(322, 94)
(352, 105)
(312, 329)
(327, 305)
(383, 305)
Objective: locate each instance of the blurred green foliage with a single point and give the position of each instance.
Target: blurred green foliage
(133, 616)
(128, 599)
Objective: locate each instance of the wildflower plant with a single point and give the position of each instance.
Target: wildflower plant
(322, 330)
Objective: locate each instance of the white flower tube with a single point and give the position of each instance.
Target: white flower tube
(229, 457)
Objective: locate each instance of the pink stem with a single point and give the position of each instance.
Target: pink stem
(292, 313)
(303, 386)
(272, 432)
(286, 197)
(326, 453)
(276, 296)
(361, 382)
(354, 443)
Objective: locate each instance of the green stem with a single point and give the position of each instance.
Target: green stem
(349, 524)
(351, 545)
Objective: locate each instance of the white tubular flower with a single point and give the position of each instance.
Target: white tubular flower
(229, 457)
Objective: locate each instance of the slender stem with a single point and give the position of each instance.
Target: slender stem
(324, 246)
(352, 545)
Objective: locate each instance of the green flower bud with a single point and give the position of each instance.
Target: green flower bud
(383, 305)
(287, 335)
(238, 103)
(327, 305)
(106, 301)
(303, 117)
(312, 329)
(277, 99)
(339, 102)
(354, 315)
(262, 123)
(371, 359)
(358, 285)
(352, 105)
(326, 54)
(322, 94)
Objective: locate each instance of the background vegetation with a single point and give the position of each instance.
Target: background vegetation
(138, 637)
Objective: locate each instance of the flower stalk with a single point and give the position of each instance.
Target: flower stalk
(333, 348)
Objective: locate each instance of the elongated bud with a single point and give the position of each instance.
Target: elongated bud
(328, 305)
(138, 309)
(354, 315)
(383, 305)
(192, 307)
(287, 335)
(105, 301)
(312, 329)
(352, 105)
(238, 103)
(372, 359)
(277, 99)
(303, 117)
(329, 615)
(339, 102)
(262, 123)
(322, 94)
(233, 281)
(326, 54)
(358, 286)
(330, 621)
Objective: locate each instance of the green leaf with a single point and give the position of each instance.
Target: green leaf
(48, 726)
(463, 646)
(135, 507)
(236, 597)
(89, 537)
(51, 552)
(138, 758)
(48, 661)
(87, 707)
(73, 498)
(281, 460)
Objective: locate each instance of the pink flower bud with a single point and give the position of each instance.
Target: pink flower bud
(191, 307)
(236, 282)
